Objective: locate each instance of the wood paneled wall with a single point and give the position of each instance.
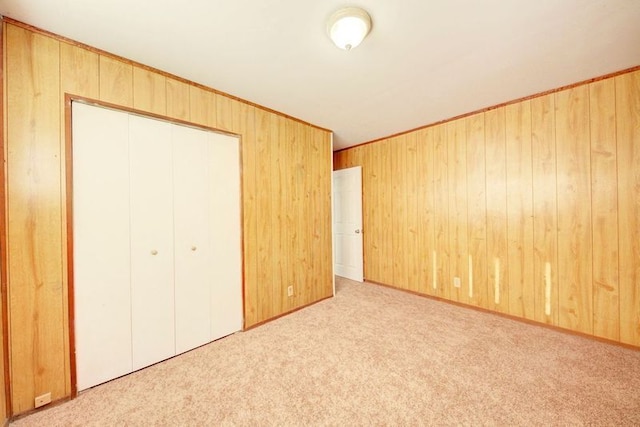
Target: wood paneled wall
(533, 205)
(286, 184)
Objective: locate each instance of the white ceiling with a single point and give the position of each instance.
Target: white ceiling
(424, 61)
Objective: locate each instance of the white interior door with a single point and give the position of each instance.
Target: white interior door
(101, 245)
(347, 218)
(152, 257)
(226, 293)
(194, 261)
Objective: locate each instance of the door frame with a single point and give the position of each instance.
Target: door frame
(68, 217)
(361, 219)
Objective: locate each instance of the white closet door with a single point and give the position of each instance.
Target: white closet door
(152, 300)
(101, 244)
(194, 263)
(226, 296)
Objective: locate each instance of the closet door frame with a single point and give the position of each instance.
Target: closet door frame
(68, 170)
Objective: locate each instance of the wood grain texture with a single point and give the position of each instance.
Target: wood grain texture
(497, 252)
(411, 188)
(368, 186)
(399, 207)
(79, 71)
(202, 106)
(543, 185)
(545, 213)
(385, 198)
(371, 214)
(116, 81)
(292, 202)
(224, 113)
(5, 389)
(149, 91)
(278, 177)
(426, 211)
(519, 210)
(178, 104)
(574, 209)
(604, 208)
(457, 190)
(304, 254)
(249, 231)
(477, 209)
(323, 158)
(628, 143)
(441, 211)
(34, 218)
(264, 213)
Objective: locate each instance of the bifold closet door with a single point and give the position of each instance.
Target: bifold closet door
(226, 292)
(152, 267)
(101, 244)
(194, 262)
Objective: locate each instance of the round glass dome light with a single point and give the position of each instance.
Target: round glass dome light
(348, 27)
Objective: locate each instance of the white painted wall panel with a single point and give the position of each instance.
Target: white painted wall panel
(194, 261)
(226, 296)
(152, 266)
(101, 244)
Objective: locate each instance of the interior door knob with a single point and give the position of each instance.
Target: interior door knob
(357, 231)
(154, 252)
(193, 248)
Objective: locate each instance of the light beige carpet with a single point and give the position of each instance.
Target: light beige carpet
(374, 356)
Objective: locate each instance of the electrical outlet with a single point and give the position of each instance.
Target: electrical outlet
(290, 291)
(43, 399)
(456, 282)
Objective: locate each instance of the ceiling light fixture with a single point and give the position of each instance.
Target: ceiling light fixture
(347, 27)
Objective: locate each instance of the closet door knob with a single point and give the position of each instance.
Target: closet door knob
(154, 252)
(193, 248)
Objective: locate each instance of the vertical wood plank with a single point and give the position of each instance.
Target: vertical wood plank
(116, 81)
(275, 244)
(411, 187)
(5, 400)
(519, 210)
(5, 404)
(441, 211)
(324, 155)
(628, 143)
(249, 211)
(178, 104)
(604, 205)
(459, 260)
(279, 180)
(398, 146)
(477, 210)
(574, 209)
(224, 113)
(293, 218)
(497, 268)
(545, 222)
(34, 226)
(367, 204)
(305, 262)
(79, 71)
(149, 91)
(426, 210)
(202, 106)
(372, 226)
(264, 214)
(386, 213)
